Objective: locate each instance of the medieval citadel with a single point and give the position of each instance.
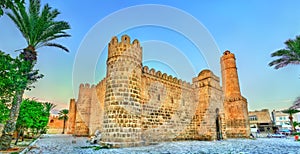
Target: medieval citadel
(134, 105)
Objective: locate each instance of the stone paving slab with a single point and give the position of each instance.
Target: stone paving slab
(58, 144)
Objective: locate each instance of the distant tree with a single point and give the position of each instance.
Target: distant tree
(296, 103)
(39, 28)
(63, 115)
(33, 115)
(291, 111)
(287, 56)
(49, 106)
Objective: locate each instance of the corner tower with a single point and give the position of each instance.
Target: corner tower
(235, 105)
(72, 117)
(122, 109)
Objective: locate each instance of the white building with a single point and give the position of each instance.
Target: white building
(282, 120)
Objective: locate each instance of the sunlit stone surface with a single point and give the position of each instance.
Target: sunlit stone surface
(135, 105)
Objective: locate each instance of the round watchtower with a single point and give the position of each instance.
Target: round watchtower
(122, 117)
(230, 80)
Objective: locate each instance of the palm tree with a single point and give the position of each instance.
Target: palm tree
(289, 55)
(296, 103)
(39, 29)
(49, 106)
(63, 115)
(291, 111)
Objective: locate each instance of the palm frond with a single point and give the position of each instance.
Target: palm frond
(53, 28)
(63, 114)
(287, 56)
(26, 22)
(18, 20)
(56, 37)
(34, 11)
(49, 106)
(280, 52)
(55, 45)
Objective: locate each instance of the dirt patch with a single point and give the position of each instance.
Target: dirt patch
(12, 150)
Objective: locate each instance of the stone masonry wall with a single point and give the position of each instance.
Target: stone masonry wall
(237, 124)
(209, 106)
(96, 110)
(167, 106)
(99, 112)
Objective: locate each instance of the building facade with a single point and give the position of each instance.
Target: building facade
(261, 120)
(281, 120)
(134, 105)
(55, 126)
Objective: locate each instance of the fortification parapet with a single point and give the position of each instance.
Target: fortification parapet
(118, 50)
(207, 78)
(207, 74)
(227, 54)
(165, 77)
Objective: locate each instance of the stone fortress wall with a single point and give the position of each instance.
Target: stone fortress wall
(136, 106)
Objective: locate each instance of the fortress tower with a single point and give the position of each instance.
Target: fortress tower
(122, 114)
(235, 105)
(72, 117)
(83, 108)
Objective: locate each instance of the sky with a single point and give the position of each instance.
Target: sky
(177, 37)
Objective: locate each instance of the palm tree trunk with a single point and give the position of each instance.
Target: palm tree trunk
(64, 127)
(10, 125)
(18, 137)
(291, 122)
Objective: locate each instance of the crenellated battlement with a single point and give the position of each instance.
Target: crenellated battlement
(124, 49)
(125, 40)
(86, 86)
(164, 76)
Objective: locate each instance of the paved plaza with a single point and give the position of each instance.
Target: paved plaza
(57, 144)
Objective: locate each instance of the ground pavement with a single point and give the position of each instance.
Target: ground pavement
(58, 144)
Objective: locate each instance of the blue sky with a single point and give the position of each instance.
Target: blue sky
(251, 30)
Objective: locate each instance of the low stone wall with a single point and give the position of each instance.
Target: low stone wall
(54, 131)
